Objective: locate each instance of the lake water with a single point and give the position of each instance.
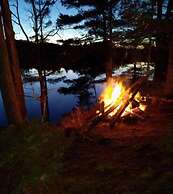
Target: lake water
(60, 103)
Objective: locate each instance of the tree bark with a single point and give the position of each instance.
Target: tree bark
(43, 96)
(8, 92)
(169, 8)
(108, 58)
(161, 63)
(13, 55)
(169, 75)
(162, 43)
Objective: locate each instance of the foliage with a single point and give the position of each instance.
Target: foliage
(126, 22)
(144, 20)
(97, 17)
(83, 88)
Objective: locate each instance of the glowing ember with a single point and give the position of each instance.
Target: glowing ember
(142, 107)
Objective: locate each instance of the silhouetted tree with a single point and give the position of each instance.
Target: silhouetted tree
(169, 74)
(17, 19)
(146, 20)
(10, 79)
(43, 29)
(40, 10)
(98, 18)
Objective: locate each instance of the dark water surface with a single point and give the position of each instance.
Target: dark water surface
(60, 102)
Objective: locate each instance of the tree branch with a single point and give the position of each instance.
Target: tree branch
(18, 19)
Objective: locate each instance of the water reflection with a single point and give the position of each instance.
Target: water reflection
(83, 88)
(62, 90)
(53, 104)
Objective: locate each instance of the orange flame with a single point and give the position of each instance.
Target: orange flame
(115, 94)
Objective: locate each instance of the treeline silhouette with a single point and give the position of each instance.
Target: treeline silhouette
(52, 56)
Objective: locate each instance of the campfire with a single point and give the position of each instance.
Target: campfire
(115, 95)
(121, 100)
(118, 101)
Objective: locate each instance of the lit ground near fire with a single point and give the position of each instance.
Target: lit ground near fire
(131, 158)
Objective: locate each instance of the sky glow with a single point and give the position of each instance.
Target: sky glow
(27, 25)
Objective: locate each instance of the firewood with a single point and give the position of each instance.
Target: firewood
(134, 89)
(97, 119)
(136, 112)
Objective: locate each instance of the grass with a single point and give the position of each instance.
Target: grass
(39, 159)
(31, 155)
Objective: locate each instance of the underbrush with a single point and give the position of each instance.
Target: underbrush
(40, 159)
(31, 157)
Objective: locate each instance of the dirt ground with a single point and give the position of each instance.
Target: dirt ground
(131, 158)
(134, 157)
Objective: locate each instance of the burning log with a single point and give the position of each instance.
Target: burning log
(136, 112)
(98, 118)
(134, 89)
(120, 107)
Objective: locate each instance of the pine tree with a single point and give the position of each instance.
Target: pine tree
(97, 18)
(150, 20)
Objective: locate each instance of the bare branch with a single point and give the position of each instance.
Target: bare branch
(51, 33)
(17, 16)
(14, 15)
(15, 22)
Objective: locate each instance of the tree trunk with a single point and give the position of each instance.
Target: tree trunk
(8, 92)
(159, 9)
(110, 21)
(13, 56)
(43, 96)
(162, 43)
(161, 64)
(169, 75)
(108, 58)
(169, 8)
